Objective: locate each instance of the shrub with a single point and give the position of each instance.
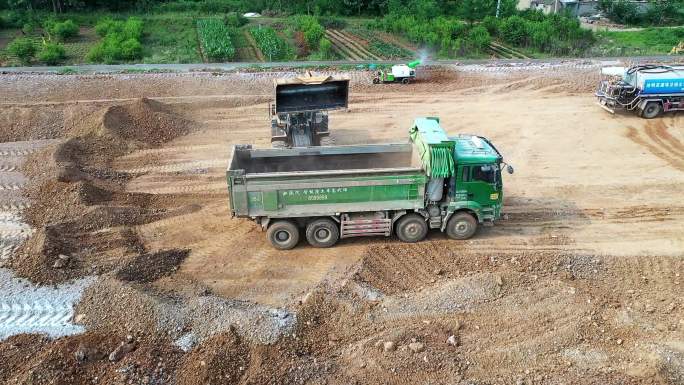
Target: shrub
(513, 30)
(132, 28)
(492, 24)
(29, 27)
(51, 53)
(22, 48)
(131, 49)
(235, 19)
(63, 30)
(313, 32)
(479, 38)
(215, 39)
(121, 41)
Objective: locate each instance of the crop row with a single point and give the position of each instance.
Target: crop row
(215, 39)
(271, 45)
(380, 47)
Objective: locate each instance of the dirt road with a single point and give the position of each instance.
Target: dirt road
(579, 283)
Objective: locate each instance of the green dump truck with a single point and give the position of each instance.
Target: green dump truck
(433, 182)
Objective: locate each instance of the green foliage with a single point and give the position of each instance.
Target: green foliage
(132, 28)
(235, 19)
(380, 47)
(325, 49)
(650, 41)
(555, 34)
(271, 45)
(170, 39)
(215, 39)
(52, 53)
(309, 26)
(121, 41)
(332, 22)
(513, 30)
(479, 38)
(22, 48)
(30, 27)
(492, 24)
(62, 30)
(661, 12)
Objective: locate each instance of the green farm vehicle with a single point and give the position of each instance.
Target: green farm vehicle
(452, 184)
(400, 73)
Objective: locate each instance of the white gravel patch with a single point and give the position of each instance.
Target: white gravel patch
(27, 308)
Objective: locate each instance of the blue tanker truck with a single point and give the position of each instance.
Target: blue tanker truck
(647, 89)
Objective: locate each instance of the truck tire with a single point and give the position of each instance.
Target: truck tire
(284, 235)
(326, 140)
(405, 81)
(652, 110)
(461, 226)
(411, 228)
(322, 232)
(376, 80)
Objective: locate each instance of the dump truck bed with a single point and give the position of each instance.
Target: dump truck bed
(320, 181)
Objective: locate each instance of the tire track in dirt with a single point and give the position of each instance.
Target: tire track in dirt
(658, 132)
(656, 146)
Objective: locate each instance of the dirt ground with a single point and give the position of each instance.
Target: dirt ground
(580, 283)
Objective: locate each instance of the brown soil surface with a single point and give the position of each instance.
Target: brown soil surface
(579, 284)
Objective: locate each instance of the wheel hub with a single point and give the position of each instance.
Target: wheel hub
(322, 234)
(282, 236)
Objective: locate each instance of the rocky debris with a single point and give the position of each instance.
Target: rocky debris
(389, 346)
(124, 348)
(85, 353)
(416, 347)
(453, 340)
(61, 262)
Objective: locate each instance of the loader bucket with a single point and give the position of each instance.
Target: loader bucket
(299, 95)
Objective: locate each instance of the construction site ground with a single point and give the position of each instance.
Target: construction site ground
(122, 196)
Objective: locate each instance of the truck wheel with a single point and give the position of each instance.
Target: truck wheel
(651, 110)
(411, 228)
(376, 80)
(405, 81)
(461, 226)
(322, 233)
(326, 140)
(284, 235)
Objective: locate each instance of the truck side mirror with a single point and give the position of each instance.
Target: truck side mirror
(509, 169)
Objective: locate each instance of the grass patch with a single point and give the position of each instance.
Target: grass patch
(170, 39)
(651, 41)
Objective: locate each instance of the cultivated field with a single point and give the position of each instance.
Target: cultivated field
(113, 197)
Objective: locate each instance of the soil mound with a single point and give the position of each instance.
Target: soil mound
(145, 121)
(149, 267)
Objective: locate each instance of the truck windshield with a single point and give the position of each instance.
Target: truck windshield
(629, 78)
(485, 173)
